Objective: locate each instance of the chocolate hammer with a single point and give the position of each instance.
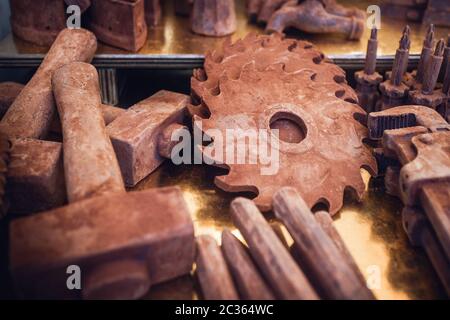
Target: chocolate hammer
(271, 256)
(10, 90)
(32, 111)
(122, 242)
(333, 273)
(142, 135)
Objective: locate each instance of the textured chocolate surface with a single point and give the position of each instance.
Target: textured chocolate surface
(135, 134)
(153, 227)
(31, 113)
(35, 176)
(90, 165)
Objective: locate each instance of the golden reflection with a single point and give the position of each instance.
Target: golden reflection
(173, 36)
(371, 229)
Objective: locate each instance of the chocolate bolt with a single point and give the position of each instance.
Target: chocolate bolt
(311, 16)
(90, 165)
(212, 271)
(119, 23)
(31, 113)
(270, 255)
(250, 284)
(368, 79)
(394, 91)
(326, 222)
(427, 51)
(215, 18)
(328, 267)
(120, 255)
(421, 234)
(138, 138)
(426, 95)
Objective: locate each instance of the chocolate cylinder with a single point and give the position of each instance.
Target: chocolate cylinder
(31, 113)
(90, 164)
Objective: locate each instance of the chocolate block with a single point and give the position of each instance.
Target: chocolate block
(151, 229)
(38, 22)
(135, 134)
(119, 23)
(35, 176)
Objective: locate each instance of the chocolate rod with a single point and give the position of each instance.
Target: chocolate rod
(214, 277)
(427, 51)
(90, 164)
(401, 58)
(272, 258)
(250, 284)
(326, 222)
(31, 113)
(432, 71)
(334, 275)
(371, 56)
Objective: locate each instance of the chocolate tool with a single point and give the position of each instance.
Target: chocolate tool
(212, 271)
(122, 242)
(270, 255)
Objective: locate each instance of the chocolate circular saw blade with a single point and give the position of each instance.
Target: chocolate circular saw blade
(263, 83)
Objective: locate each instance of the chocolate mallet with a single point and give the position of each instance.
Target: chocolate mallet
(31, 113)
(331, 271)
(122, 242)
(270, 255)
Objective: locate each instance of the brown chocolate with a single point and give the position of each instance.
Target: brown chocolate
(83, 4)
(153, 12)
(333, 273)
(438, 12)
(38, 22)
(90, 165)
(314, 16)
(212, 271)
(248, 280)
(307, 123)
(270, 255)
(213, 18)
(119, 23)
(31, 113)
(100, 232)
(135, 134)
(35, 176)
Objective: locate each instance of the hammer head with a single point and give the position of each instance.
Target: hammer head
(152, 228)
